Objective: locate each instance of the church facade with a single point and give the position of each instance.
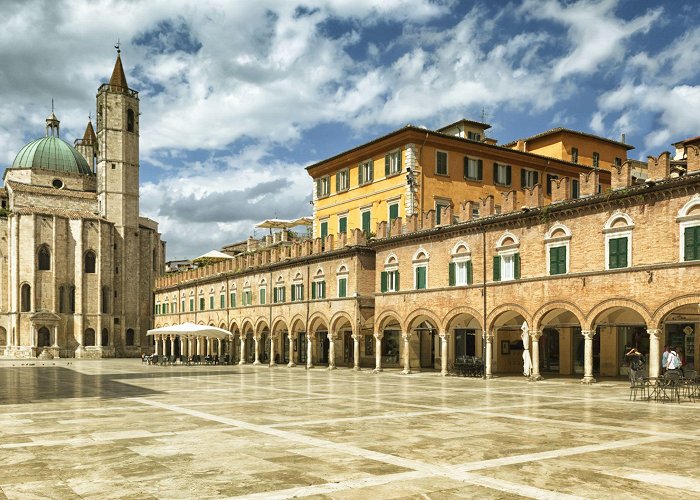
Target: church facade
(78, 262)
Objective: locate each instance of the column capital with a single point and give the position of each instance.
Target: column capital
(588, 334)
(406, 336)
(332, 336)
(357, 336)
(654, 332)
(378, 335)
(535, 334)
(488, 335)
(444, 335)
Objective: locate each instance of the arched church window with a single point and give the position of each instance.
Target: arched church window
(105, 337)
(44, 258)
(26, 298)
(130, 336)
(71, 299)
(129, 120)
(90, 262)
(61, 299)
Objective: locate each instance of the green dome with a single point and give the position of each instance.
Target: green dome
(52, 153)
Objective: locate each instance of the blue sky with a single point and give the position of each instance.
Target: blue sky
(238, 97)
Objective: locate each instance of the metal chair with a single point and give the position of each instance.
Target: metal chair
(637, 384)
(670, 386)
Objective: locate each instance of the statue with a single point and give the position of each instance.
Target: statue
(527, 363)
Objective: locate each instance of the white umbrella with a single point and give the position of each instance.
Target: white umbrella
(193, 330)
(527, 363)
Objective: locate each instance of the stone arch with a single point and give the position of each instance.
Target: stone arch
(222, 325)
(556, 227)
(461, 247)
(421, 254)
(384, 317)
(421, 313)
(669, 306)
(689, 206)
(601, 307)
(506, 236)
(338, 318)
(297, 324)
(247, 325)
(460, 310)
(495, 313)
(391, 259)
(260, 326)
(317, 318)
(542, 311)
(616, 216)
(233, 326)
(278, 323)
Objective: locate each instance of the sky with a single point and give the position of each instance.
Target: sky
(237, 97)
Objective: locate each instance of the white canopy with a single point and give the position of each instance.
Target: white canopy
(285, 224)
(214, 254)
(193, 330)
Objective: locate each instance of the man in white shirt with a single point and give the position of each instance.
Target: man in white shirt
(673, 361)
(664, 359)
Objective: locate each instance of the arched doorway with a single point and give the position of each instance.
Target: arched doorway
(426, 344)
(465, 337)
(507, 346)
(43, 338)
(391, 344)
(679, 329)
(264, 346)
(561, 331)
(615, 328)
(323, 345)
(89, 337)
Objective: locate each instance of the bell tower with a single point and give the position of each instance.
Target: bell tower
(118, 201)
(118, 149)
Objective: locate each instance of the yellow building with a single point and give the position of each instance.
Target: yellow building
(414, 170)
(575, 147)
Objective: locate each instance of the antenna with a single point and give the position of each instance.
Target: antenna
(52, 104)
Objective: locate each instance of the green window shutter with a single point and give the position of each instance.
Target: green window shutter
(508, 177)
(359, 175)
(438, 210)
(480, 171)
(301, 292)
(342, 287)
(470, 277)
(420, 278)
(622, 252)
(313, 290)
(201, 304)
(393, 211)
(387, 165)
(466, 167)
(396, 281)
(337, 182)
(612, 253)
(222, 300)
(553, 260)
(343, 225)
(324, 229)
(293, 292)
(323, 289)
(275, 296)
(398, 160)
(191, 305)
(366, 221)
(691, 243)
(451, 274)
(497, 268)
(523, 178)
(516, 265)
(562, 260)
(384, 281)
(371, 171)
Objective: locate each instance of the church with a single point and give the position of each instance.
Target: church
(78, 261)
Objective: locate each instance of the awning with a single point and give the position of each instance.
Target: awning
(285, 224)
(214, 254)
(192, 330)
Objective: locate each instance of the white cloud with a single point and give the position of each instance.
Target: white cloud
(596, 35)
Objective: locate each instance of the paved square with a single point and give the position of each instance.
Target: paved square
(115, 428)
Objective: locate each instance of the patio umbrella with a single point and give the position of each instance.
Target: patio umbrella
(193, 330)
(527, 363)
